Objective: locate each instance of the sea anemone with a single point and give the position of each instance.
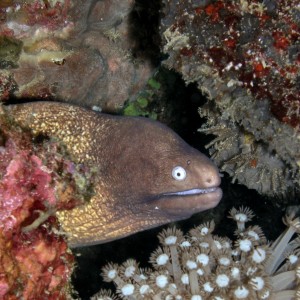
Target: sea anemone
(201, 265)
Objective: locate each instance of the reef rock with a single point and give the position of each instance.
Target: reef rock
(35, 182)
(73, 51)
(245, 56)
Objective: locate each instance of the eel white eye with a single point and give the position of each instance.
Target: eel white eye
(179, 173)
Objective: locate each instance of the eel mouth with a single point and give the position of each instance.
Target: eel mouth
(192, 192)
(187, 202)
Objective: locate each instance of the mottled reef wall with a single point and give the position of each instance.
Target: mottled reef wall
(245, 56)
(75, 51)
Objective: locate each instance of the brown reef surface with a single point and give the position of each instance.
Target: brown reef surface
(70, 50)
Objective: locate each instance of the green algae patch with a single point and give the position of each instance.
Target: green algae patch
(139, 107)
(154, 84)
(143, 104)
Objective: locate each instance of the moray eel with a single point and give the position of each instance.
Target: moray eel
(146, 174)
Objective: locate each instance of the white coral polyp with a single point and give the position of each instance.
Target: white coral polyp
(129, 271)
(171, 240)
(235, 272)
(207, 287)
(257, 283)
(127, 289)
(204, 231)
(253, 234)
(259, 255)
(222, 280)
(162, 259)
(161, 281)
(240, 217)
(204, 245)
(225, 261)
(218, 244)
(185, 279)
(265, 295)
(293, 259)
(203, 259)
(112, 274)
(145, 289)
(200, 272)
(185, 244)
(241, 292)
(245, 245)
(191, 265)
(196, 297)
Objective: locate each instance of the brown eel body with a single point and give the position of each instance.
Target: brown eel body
(146, 174)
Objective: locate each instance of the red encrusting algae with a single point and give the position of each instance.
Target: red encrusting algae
(245, 56)
(35, 181)
(252, 42)
(42, 13)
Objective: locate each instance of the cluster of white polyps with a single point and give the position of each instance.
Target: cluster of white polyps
(205, 266)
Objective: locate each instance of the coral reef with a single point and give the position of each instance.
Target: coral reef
(36, 180)
(70, 50)
(245, 56)
(202, 265)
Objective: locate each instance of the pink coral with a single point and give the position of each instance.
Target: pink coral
(7, 86)
(35, 262)
(42, 13)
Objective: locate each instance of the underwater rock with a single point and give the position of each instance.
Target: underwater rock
(36, 180)
(70, 50)
(245, 56)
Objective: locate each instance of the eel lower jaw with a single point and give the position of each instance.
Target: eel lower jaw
(185, 203)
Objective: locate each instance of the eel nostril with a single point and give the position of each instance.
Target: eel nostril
(212, 179)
